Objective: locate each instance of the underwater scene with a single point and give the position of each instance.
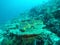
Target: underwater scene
(29, 22)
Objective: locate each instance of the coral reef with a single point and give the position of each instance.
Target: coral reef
(39, 26)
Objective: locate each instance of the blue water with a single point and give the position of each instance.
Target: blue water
(12, 8)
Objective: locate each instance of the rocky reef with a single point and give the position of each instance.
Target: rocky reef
(38, 26)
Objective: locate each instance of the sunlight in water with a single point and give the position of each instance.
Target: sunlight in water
(12, 8)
